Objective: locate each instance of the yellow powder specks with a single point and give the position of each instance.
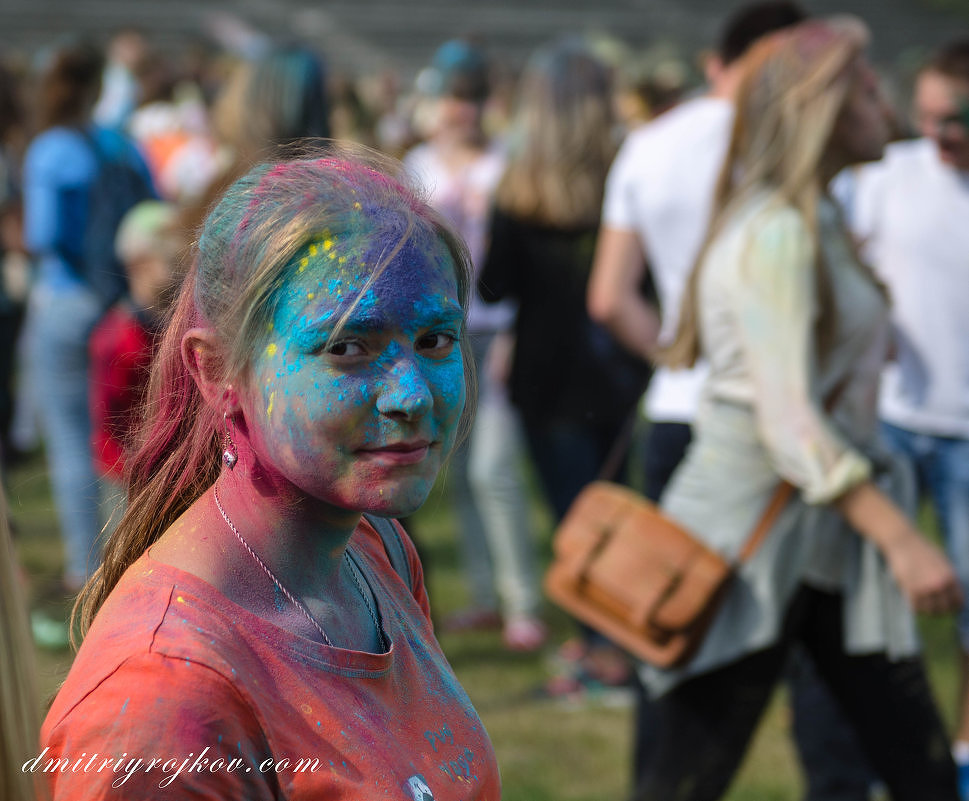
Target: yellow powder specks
(342, 260)
(327, 245)
(315, 250)
(180, 599)
(310, 295)
(303, 264)
(271, 349)
(357, 206)
(272, 400)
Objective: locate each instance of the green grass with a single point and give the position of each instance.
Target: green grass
(548, 751)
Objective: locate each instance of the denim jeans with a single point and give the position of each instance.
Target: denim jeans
(942, 469)
(60, 323)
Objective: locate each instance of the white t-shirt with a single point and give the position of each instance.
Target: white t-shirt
(911, 213)
(464, 197)
(661, 186)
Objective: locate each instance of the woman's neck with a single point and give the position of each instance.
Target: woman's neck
(301, 541)
(301, 538)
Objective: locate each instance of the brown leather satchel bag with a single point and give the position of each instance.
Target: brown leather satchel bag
(633, 574)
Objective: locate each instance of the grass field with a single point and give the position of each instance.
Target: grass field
(548, 750)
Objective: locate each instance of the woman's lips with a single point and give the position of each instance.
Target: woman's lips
(398, 453)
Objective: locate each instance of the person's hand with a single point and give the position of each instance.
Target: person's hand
(924, 574)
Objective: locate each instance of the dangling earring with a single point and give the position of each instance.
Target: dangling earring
(229, 454)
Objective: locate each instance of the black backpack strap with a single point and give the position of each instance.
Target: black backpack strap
(393, 545)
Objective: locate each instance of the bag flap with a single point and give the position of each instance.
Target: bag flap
(591, 520)
(633, 574)
(699, 586)
(639, 563)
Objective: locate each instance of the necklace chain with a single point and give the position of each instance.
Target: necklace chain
(292, 598)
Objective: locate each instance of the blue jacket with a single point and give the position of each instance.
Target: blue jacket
(59, 168)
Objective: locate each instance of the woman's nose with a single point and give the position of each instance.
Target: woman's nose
(405, 392)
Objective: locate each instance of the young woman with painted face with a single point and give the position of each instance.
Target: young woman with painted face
(795, 330)
(313, 370)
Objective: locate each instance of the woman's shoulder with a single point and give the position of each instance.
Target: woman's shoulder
(134, 625)
(124, 660)
(758, 235)
(157, 711)
(766, 223)
(59, 149)
(58, 137)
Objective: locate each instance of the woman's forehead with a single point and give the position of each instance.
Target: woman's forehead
(332, 276)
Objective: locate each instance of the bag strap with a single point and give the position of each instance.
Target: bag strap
(777, 503)
(393, 545)
(783, 492)
(620, 447)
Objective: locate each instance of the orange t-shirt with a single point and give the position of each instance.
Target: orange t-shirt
(218, 703)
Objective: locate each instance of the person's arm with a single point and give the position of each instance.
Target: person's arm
(776, 315)
(921, 569)
(614, 297)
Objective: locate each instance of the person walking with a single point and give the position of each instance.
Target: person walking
(795, 330)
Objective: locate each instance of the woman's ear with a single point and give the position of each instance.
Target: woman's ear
(202, 358)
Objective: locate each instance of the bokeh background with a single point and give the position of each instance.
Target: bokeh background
(363, 36)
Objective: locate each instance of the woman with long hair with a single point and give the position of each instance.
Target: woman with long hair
(246, 612)
(461, 165)
(571, 383)
(795, 330)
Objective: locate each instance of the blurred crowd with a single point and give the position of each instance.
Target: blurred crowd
(575, 298)
(190, 123)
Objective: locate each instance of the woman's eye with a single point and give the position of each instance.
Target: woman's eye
(346, 348)
(439, 343)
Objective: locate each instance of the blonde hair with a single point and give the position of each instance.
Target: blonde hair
(19, 702)
(794, 84)
(562, 139)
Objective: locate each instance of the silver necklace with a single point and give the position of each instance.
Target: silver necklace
(292, 598)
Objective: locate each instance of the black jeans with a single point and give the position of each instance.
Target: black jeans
(704, 725)
(567, 455)
(834, 766)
